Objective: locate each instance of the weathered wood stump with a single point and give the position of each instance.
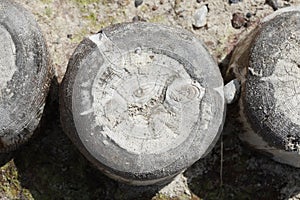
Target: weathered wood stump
(142, 101)
(25, 74)
(268, 64)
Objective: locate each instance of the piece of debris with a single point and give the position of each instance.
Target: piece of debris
(137, 3)
(238, 20)
(199, 1)
(273, 4)
(200, 17)
(231, 91)
(178, 187)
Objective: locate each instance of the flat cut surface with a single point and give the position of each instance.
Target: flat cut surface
(7, 59)
(148, 104)
(286, 78)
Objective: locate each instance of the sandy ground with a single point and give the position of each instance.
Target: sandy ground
(50, 167)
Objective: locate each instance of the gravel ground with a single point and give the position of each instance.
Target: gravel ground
(50, 167)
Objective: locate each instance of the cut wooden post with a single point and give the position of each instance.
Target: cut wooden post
(142, 101)
(25, 74)
(268, 64)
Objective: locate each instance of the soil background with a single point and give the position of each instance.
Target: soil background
(50, 167)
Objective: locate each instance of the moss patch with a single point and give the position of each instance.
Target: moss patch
(10, 185)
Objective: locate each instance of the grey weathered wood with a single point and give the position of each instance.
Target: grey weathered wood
(142, 101)
(268, 64)
(25, 75)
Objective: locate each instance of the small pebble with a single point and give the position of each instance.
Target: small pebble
(200, 17)
(137, 3)
(273, 4)
(138, 18)
(238, 20)
(234, 1)
(199, 1)
(155, 7)
(249, 15)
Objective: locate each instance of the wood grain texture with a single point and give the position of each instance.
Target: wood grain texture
(25, 75)
(143, 101)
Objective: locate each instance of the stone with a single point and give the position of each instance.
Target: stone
(200, 17)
